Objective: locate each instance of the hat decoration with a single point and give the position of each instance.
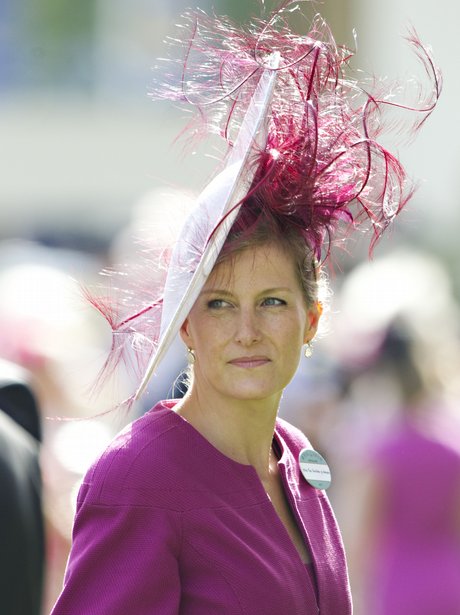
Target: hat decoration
(303, 139)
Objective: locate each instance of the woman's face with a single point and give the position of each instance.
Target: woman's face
(248, 326)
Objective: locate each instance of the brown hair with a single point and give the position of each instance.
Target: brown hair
(267, 229)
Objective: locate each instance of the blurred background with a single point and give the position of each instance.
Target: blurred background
(85, 154)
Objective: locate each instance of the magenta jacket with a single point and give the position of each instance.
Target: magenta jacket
(166, 525)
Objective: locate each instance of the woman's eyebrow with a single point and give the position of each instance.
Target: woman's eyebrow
(278, 289)
(218, 291)
(221, 291)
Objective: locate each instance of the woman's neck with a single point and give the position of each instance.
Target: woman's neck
(240, 429)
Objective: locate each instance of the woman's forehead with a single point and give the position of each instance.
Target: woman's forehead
(267, 262)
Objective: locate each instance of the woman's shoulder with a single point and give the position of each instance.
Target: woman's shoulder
(294, 438)
(140, 460)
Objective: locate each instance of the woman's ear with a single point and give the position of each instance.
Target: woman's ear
(313, 315)
(185, 335)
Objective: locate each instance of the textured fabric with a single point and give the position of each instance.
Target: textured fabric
(416, 566)
(166, 524)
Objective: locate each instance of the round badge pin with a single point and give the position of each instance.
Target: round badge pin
(314, 469)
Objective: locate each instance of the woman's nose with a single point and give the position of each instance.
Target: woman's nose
(247, 328)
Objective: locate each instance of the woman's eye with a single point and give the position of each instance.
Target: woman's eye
(216, 304)
(273, 301)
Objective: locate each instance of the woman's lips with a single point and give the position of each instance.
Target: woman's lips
(249, 362)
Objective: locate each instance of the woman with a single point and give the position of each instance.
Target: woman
(211, 504)
(204, 510)
(409, 540)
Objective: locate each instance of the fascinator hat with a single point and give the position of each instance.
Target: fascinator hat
(303, 141)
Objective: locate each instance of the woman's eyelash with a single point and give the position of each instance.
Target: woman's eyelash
(217, 303)
(274, 301)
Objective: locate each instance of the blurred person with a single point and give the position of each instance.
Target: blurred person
(211, 503)
(374, 296)
(22, 552)
(42, 315)
(410, 535)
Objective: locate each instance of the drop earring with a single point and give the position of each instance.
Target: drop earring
(191, 355)
(308, 351)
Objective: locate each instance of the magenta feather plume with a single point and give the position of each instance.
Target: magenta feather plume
(323, 167)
